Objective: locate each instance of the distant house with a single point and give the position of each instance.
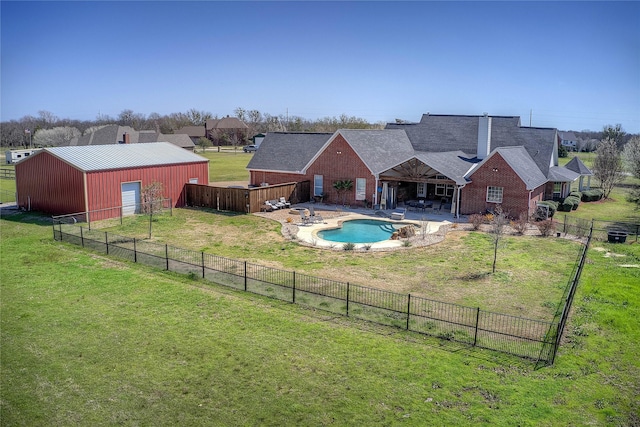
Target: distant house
(464, 164)
(115, 134)
(72, 179)
(231, 128)
(568, 140)
(194, 132)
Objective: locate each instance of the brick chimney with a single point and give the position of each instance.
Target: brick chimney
(126, 138)
(484, 136)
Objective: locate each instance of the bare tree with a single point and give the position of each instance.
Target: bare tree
(498, 222)
(607, 166)
(631, 156)
(615, 133)
(197, 118)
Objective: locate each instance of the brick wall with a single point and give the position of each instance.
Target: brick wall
(515, 196)
(337, 162)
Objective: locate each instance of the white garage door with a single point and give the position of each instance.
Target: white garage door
(130, 198)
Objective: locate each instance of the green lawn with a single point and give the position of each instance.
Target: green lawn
(90, 340)
(227, 165)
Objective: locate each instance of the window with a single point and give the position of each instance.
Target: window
(422, 189)
(494, 194)
(193, 180)
(361, 188)
(440, 189)
(557, 190)
(318, 189)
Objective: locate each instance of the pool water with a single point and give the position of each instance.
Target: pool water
(361, 231)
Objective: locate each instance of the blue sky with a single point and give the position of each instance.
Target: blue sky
(574, 65)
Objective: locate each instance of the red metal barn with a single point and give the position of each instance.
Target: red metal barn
(63, 180)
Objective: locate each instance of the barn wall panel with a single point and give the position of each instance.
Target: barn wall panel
(47, 184)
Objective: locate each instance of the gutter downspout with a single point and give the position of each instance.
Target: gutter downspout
(460, 187)
(529, 205)
(375, 193)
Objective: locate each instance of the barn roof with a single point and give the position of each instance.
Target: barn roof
(123, 156)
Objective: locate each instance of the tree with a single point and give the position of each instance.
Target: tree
(58, 136)
(498, 223)
(607, 167)
(614, 133)
(342, 186)
(204, 143)
(631, 156)
(562, 151)
(631, 159)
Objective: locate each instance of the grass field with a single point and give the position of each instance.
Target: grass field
(532, 272)
(228, 165)
(89, 340)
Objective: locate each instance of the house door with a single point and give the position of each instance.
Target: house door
(130, 198)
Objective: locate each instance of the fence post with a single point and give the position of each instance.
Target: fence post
(408, 309)
(166, 254)
(294, 287)
(135, 251)
(245, 276)
(81, 237)
(120, 215)
(564, 227)
(202, 264)
(475, 336)
(347, 299)
(106, 241)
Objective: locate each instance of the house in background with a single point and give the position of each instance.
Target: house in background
(115, 134)
(14, 156)
(568, 140)
(63, 180)
(465, 164)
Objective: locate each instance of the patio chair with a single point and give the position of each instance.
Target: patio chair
(398, 214)
(285, 203)
(305, 219)
(314, 216)
(271, 205)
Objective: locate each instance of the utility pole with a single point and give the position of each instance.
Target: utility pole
(530, 114)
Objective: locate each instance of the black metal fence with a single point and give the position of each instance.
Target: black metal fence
(556, 329)
(527, 338)
(599, 229)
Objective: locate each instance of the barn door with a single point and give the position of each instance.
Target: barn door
(130, 198)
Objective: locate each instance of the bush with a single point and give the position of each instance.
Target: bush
(476, 220)
(546, 227)
(577, 194)
(592, 195)
(570, 203)
(349, 246)
(521, 224)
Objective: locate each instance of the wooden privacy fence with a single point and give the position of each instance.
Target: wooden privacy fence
(247, 200)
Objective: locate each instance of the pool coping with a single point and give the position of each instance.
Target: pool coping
(308, 233)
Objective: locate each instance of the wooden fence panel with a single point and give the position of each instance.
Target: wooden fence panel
(245, 200)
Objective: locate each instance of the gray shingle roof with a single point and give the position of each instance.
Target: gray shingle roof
(522, 164)
(577, 166)
(379, 149)
(287, 151)
(454, 164)
(113, 134)
(560, 174)
(123, 156)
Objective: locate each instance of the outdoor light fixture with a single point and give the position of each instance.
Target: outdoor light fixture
(495, 169)
(338, 152)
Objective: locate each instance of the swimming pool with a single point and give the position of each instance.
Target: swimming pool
(361, 231)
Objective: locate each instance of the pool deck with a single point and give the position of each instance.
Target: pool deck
(334, 215)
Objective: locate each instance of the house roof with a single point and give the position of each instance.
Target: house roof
(122, 156)
(560, 174)
(522, 164)
(113, 134)
(287, 151)
(455, 164)
(378, 149)
(192, 131)
(567, 135)
(226, 123)
(577, 166)
(441, 133)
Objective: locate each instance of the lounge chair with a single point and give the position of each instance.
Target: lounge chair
(314, 216)
(304, 217)
(270, 205)
(398, 214)
(285, 203)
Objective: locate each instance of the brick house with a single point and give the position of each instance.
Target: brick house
(465, 164)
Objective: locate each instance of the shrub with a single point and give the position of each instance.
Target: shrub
(349, 246)
(577, 194)
(476, 221)
(546, 227)
(521, 224)
(592, 195)
(570, 203)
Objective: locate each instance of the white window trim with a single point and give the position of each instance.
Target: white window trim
(361, 188)
(316, 187)
(493, 189)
